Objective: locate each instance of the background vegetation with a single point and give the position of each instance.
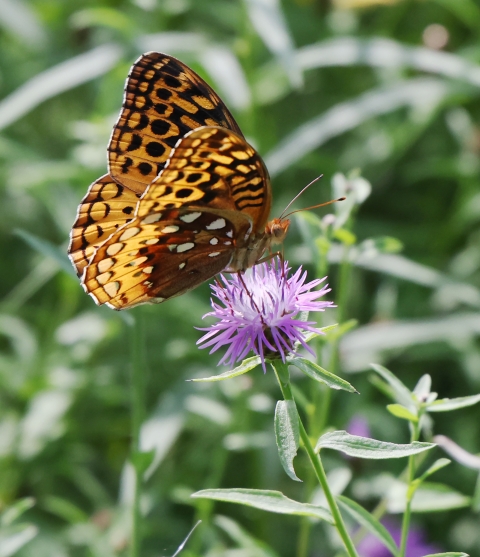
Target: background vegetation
(387, 87)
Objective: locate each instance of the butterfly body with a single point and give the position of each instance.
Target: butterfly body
(186, 196)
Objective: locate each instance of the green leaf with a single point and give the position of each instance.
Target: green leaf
(244, 367)
(322, 375)
(266, 500)
(402, 394)
(448, 554)
(437, 497)
(423, 387)
(365, 519)
(382, 244)
(435, 467)
(14, 511)
(344, 236)
(364, 447)
(59, 78)
(142, 460)
(65, 509)
(48, 249)
(287, 435)
(400, 411)
(13, 537)
(310, 335)
(448, 404)
(429, 497)
(252, 546)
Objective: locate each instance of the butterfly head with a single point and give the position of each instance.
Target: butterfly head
(277, 229)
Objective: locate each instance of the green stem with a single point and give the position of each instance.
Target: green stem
(137, 366)
(281, 372)
(408, 508)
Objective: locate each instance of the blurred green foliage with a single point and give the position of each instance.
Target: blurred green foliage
(319, 87)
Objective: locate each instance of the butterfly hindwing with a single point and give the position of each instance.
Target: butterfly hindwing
(164, 99)
(159, 256)
(106, 207)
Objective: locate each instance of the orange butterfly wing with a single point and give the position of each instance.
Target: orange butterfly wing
(164, 100)
(176, 143)
(106, 207)
(211, 198)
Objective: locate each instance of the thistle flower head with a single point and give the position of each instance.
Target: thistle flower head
(260, 312)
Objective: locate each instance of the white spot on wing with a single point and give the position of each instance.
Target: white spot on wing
(182, 265)
(104, 277)
(230, 233)
(105, 264)
(214, 241)
(129, 233)
(170, 229)
(216, 224)
(228, 243)
(214, 254)
(114, 248)
(190, 217)
(112, 288)
(185, 247)
(150, 219)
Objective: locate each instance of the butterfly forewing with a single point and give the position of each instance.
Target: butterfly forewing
(160, 256)
(215, 168)
(106, 207)
(164, 99)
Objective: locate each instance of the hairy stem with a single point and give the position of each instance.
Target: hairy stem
(408, 508)
(281, 372)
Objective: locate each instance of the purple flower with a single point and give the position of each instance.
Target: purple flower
(258, 312)
(358, 425)
(370, 546)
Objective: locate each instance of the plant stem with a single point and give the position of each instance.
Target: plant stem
(137, 367)
(408, 508)
(281, 372)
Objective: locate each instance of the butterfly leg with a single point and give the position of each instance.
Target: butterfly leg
(269, 257)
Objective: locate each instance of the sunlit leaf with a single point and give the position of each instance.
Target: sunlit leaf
(272, 501)
(364, 447)
(287, 435)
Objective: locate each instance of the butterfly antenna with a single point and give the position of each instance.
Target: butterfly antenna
(315, 206)
(284, 216)
(298, 195)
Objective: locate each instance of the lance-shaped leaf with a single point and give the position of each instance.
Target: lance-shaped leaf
(244, 367)
(46, 248)
(448, 404)
(364, 447)
(287, 435)
(400, 411)
(429, 497)
(272, 501)
(369, 522)
(401, 392)
(322, 375)
(449, 554)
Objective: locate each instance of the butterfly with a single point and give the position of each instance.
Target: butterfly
(185, 197)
